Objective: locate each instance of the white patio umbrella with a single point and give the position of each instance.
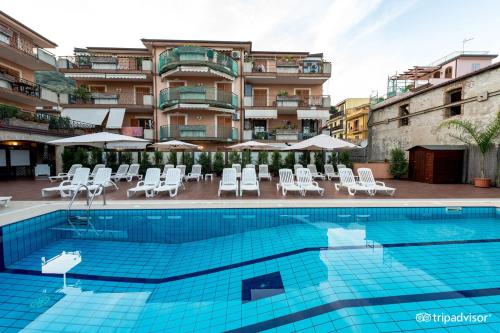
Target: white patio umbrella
(173, 145)
(103, 140)
(253, 145)
(322, 142)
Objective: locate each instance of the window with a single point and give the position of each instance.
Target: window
(437, 75)
(454, 96)
(404, 111)
(448, 72)
(475, 67)
(356, 125)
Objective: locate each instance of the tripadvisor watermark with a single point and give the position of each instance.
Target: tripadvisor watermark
(446, 318)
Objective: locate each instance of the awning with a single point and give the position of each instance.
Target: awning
(313, 114)
(86, 115)
(115, 118)
(261, 114)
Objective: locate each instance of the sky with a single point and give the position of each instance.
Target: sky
(366, 40)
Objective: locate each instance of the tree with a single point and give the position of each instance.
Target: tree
(305, 158)
(472, 134)
(187, 160)
(126, 157)
(276, 162)
(345, 159)
(263, 157)
(158, 156)
(144, 162)
(398, 165)
(67, 159)
(246, 157)
(319, 160)
(112, 160)
(205, 162)
(290, 160)
(172, 158)
(234, 157)
(218, 163)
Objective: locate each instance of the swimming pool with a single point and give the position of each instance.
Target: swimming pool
(246, 270)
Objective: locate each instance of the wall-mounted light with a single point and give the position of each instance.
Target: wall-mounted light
(199, 117)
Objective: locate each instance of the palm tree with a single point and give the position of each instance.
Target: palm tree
(473, 134)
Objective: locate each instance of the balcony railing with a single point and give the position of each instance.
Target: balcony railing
(197, 95)
(18, 42)
(198, 132)
(338, 127)
(103, 63)
(27, 88)
(306, 67)
(106, 98)
(294, 101)
(280, 134)
(196, 56)
(337, 114)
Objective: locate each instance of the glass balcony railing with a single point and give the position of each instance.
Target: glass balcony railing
(105, 63)
(198, 132)
(197, 95)
(123, 98)
(288, 101)
(196, 56)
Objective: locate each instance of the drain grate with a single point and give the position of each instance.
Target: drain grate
(262, 286)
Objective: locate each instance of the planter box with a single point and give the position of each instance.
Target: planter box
(380, 169)
(28, 124)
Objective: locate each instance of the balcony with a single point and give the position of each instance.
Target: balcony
(337, 128)
(19, 50)
(197, 61)
(197, 97)
(287, 72)
(198, 132)
(338, 114)
(94, 67)
(285, 101)
(279, 134)
(26, 92)
(138, 132)
(129, 100)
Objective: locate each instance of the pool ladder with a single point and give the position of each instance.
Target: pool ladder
(77, 221)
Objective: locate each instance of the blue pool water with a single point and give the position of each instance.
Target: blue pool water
(247, 270)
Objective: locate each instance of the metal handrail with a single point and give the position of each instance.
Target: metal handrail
(90, 200)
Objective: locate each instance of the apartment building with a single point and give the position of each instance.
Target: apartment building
(343, 128)
(114, 89)
(22, 131)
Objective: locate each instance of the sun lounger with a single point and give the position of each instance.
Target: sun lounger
(306, 183)
(249, 181)
(366, 179)
(165, 169)
(238, 170)
(68, 187)
(171, 183)
(65, 175)
(148, 185)
(95, 169)
(348, 181)
(250, 166)
(330, 172)
(121, 173)
(133, 172)
(264, 172)
(4, 201)
(195, 173)
(229, 182)
(101, 180)
(314, 172)
(287, 183)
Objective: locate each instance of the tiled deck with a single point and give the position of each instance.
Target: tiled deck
(207, 190)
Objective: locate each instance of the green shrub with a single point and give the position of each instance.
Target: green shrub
(187, 160)
(398, 164)
(305, 158)
(95, 156)
(290, 160)
(112, 160)
(126, 157)
(263, 157)
(218, 165)
(172, 158)
(246, 157)
(8, 111)
(68, 159)
(234, 158)
(158, 156)
(319, 160)
(145, 162)
(345, 158)
(81, 156)
(205, 162)
(276, 163)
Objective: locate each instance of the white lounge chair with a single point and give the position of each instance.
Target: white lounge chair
(250, 166)
(65, 175)
(296, 167)
(287, 183)
(238, 170)
(133, 172)
(101, 180)
(165, 169)
(314, 172)
(341, 166)
(348, 181)
(68, 187)
(171, 183)
(121, 173)
(148, 185)
(264, 172)
(95, 169)
(4, 201)
(306, 182)
(249, 181)
(229, 182)
(195, 173)
(330, 172)
(366, 179)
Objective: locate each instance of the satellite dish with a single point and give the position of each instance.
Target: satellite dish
(364, 143)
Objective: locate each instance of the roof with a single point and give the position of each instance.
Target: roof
(397, 99)
(121, 50)
(247, 44)
(440, 147)
(43, 41)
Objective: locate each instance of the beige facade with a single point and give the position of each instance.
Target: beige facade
(337, 124)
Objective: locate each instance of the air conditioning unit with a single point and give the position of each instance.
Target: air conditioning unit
(236, 117)
(236, 54)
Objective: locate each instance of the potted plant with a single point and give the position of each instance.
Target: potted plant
(482, 137)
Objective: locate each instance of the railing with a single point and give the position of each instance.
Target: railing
(280, 134)
(96, 62)
(197, 95)
(18, 42)
(198, 132)
(27, 88)
(106, 98)
(306, 67)
(337, 114)
(293, 101)
(196, 56)
(338, 127)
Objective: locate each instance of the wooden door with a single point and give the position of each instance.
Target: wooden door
(175, 125)
(223, 127)
(260, 97)
(224, 90)
(139, 94)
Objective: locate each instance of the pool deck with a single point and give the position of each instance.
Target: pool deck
(27, 201)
